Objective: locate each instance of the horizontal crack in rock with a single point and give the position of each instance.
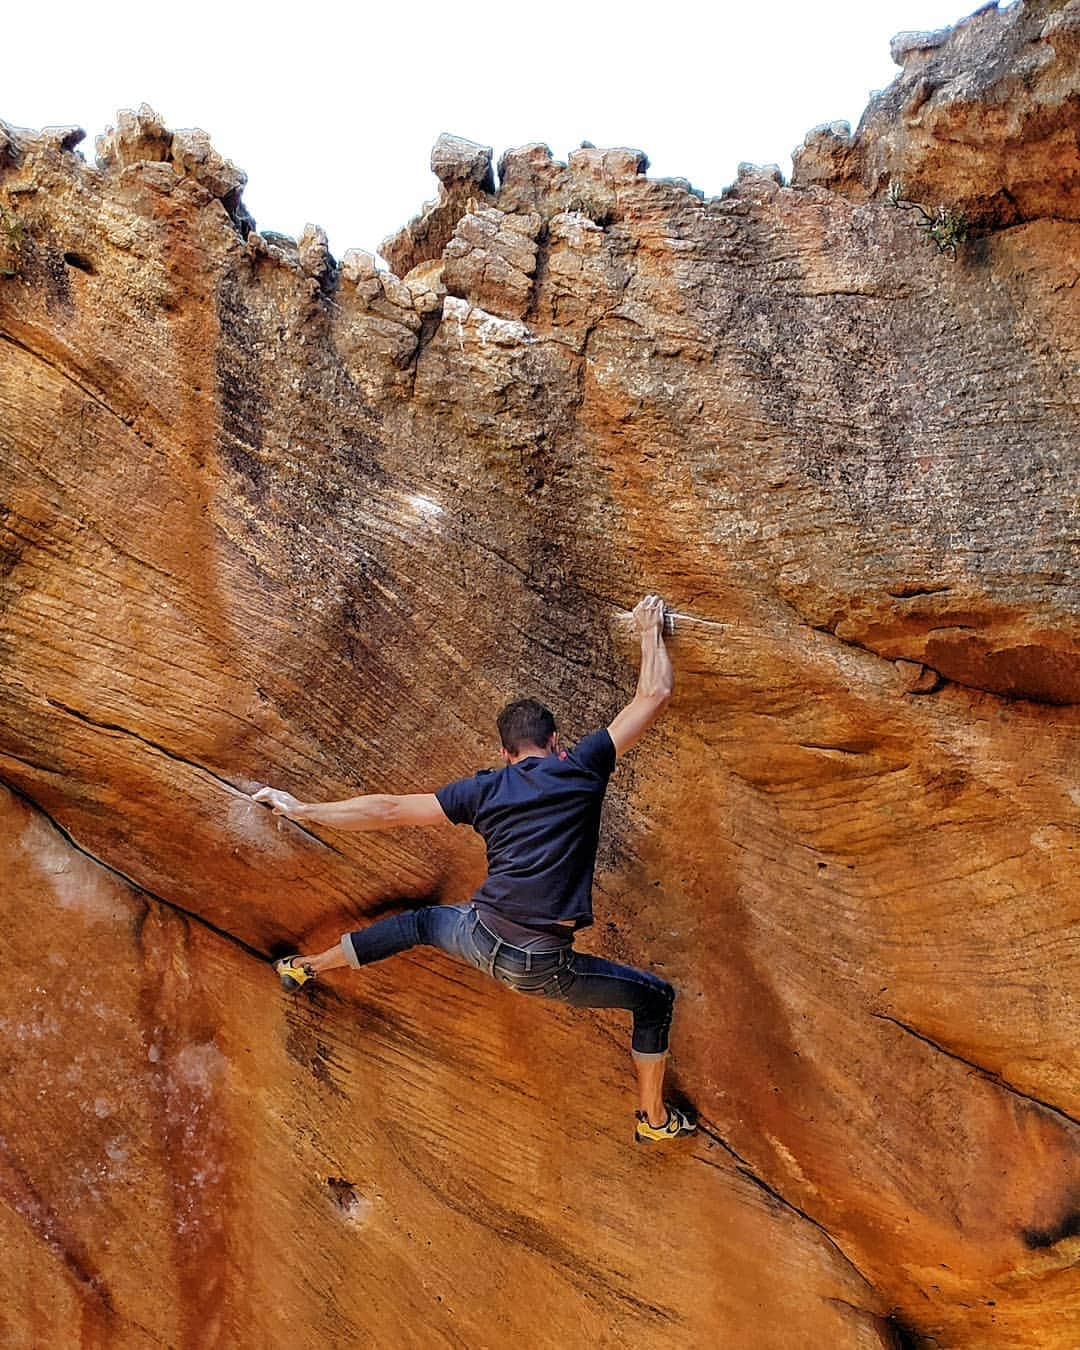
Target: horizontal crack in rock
(1028, 697)
(91, 394)
(831, 749)
(745, 1170)
(983, 1072)
(178, 758)
(130, 881)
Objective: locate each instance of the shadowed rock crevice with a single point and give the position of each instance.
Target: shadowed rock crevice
(1030, 671)
(1066, 1227)
(990, 1074)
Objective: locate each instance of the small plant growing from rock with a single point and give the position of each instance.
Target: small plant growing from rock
(11, 237)
(947, 228)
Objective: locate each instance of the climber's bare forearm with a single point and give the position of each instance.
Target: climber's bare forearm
(655, 678)
(355, 813)
(373, 811)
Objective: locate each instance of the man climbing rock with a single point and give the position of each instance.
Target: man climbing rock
(539, 816)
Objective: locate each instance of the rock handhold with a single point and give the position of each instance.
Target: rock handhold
(314, 253)
(917, 678)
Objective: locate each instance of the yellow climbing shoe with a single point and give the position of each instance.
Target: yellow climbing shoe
(293, 977)
(677, 1123)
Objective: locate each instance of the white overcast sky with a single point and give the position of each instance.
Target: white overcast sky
(332, 110)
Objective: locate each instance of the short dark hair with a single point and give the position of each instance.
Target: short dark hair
(525, 722)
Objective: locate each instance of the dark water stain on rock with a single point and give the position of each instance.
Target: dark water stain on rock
(1038, 1239)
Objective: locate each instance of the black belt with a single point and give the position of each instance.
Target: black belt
(491, 945)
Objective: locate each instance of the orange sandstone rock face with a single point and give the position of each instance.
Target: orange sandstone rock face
(270, 518)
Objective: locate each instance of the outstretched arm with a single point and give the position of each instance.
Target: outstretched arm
(654, 680)
(372, 812)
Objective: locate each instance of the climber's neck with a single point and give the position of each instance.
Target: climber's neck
(532, 751)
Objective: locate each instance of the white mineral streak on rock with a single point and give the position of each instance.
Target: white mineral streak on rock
(423, 505)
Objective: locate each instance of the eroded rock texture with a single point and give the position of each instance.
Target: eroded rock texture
(984, 114)
(271, 518)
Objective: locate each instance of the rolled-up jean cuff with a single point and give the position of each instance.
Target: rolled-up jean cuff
(349, 951)
(644, 1054)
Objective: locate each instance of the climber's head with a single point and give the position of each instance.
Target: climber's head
(526, 727)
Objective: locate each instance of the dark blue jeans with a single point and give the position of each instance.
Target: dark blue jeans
(569, 976)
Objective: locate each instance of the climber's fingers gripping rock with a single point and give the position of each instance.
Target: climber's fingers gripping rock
(281, 803)
(649, 614)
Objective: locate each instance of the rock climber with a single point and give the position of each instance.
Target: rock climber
(539, 816)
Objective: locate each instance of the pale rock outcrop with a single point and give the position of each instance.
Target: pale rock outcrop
(465, 180)
(137, 138)
(455, 161)
(491, 260)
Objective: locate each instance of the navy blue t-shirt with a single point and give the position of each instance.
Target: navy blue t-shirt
(540, 820)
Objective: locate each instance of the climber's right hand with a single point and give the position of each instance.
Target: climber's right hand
(649, 615)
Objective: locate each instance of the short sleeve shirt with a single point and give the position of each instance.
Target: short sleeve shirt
(540, 821)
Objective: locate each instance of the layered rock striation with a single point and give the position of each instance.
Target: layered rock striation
(265, 516)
